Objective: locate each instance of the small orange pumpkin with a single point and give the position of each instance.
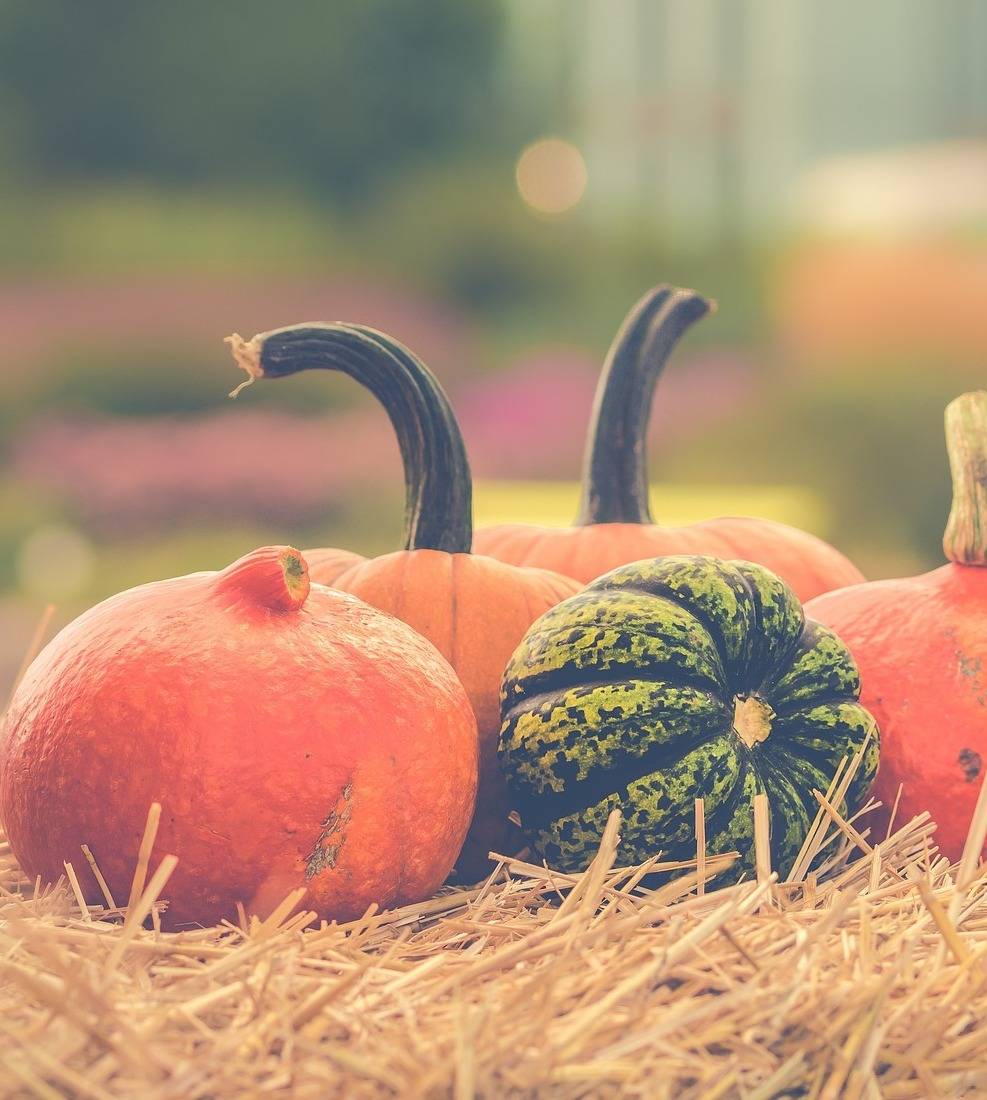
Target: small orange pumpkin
(921, 646)
(614, 525)
(473, 609)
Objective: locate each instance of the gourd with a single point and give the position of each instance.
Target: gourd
(614, 525)
(921, 644)
(674, 679)
(293, 736)
(474, 609)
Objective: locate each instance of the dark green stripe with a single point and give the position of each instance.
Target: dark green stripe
(778, 623)
(596, 639)
(821, 669)
(560, 761)
(708, 588)
(790, 814)
(657, 809)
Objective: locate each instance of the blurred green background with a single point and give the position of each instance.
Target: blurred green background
(494, 182)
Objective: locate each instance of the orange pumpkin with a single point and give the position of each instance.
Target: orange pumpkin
(474, 609)
(614, 525)
(921, 646)
(294, 737)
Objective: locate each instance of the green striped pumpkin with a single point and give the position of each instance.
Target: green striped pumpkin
(672, 679)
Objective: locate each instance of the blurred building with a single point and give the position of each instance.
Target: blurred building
(706, 116)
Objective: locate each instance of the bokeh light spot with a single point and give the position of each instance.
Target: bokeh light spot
(55, 562)
(551, 176)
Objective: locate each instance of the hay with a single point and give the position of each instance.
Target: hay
(866, 979)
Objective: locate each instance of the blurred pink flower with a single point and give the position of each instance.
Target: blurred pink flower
(531, 420)
(271, 466)
(699, 392)
(39, 318)
(277, 467)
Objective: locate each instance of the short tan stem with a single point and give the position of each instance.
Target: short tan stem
(752, 718)
(965, 540)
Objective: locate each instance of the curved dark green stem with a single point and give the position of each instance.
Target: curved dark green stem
(615, 468)
(439, 508)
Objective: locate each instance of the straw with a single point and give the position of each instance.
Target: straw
(862, 972)
(866, 977)
(701, 845)
(144, 853)
(33, 648)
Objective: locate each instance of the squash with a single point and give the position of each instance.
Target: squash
(921, 644)
(674, 679)
(294, 737)
(614, 525)
(474, 609)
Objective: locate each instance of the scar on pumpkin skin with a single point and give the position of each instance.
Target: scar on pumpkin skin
(324, 855)
(971, 762)
(246, 353)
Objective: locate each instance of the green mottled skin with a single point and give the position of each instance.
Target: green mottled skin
(607, 633)
(583, 730)
(623, 698)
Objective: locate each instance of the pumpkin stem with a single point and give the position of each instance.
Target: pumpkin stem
(275, 577)
(439, 488)
(752, 718)
(965, 540)
(615, 468)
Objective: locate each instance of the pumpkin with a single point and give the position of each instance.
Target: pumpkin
(294, 737)
(921, 644)
(474, 609)
(614, 525)
(674, 679)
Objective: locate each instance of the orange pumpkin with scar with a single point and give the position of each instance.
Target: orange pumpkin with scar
(294, 737)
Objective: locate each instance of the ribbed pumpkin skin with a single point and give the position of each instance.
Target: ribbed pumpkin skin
(624, 697)
(474, 610)
(922, 647)
(326, 564)
(806, 563)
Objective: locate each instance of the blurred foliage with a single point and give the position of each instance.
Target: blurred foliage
(486, 252)
(875, 457)
(159, 381)
(371, 144)
(135, 227)
(21, 512)
(139, 382)
(527, 277)
(334, 96)
(555, 503)
(372, 524)
(542, 279)
(869, 439)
